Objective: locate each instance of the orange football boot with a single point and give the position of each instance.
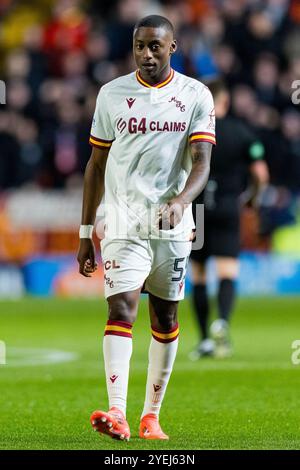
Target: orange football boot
(150, 428)
(112, 423)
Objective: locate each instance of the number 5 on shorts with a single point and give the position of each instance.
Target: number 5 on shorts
(179, 269)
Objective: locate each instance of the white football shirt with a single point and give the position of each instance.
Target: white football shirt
(148, 130)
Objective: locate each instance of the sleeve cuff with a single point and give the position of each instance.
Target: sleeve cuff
(100, 143)
(202, 137)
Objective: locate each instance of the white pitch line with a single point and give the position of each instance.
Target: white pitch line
(225, 365)
(200, 366)
(20, 357)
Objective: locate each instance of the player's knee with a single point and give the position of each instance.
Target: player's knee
(165, 317)
(227, 268)
(198, 273)
(122, 308)
(167, 322)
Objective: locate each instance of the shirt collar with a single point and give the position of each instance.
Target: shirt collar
(157, 85)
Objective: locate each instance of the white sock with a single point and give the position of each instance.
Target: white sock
(117, 349)
(162, 353)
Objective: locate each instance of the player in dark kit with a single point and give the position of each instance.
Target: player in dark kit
(237, 154)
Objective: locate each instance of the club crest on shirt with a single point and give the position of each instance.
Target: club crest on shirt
(178, 103)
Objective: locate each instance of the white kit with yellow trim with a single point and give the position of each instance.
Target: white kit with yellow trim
(148, 130)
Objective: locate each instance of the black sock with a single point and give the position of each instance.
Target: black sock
(201, 307)
(226, 296)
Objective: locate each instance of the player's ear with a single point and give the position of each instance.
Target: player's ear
(173, 46)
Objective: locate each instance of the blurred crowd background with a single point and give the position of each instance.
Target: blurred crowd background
(56, 54)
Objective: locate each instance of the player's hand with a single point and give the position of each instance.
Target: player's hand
(171, 213)
(252, 197)
(86, 257)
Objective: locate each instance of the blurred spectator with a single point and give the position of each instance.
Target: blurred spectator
(19, 97)
(17, 65)
(30, 153)
(244, 103)
(290, 126)
(9, 153)
(266, 75)
(227, 63)
(295, 11)
(32, 43)
(119, 28)
(66, 31)
(211, 33)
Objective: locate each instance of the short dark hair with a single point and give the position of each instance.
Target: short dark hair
(155, 21)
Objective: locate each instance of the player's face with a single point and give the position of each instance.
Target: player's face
(152, 49)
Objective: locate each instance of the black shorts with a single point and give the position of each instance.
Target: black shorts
(221, 231)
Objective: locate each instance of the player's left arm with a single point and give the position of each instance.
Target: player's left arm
(196, 182)
(201, 140)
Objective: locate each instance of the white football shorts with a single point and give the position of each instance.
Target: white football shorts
(159, 266)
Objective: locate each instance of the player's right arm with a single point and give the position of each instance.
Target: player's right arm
(93, 191)
(101, 138)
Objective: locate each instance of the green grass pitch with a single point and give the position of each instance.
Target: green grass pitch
(250, 401)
